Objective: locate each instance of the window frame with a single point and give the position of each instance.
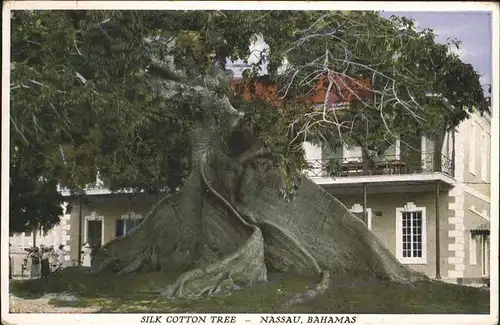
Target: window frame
(484, 159)
(94, 216)
(472, 148)
(410, 207)
(135, 217)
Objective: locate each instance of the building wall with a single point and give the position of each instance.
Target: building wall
(473, 178)
(474, 265)
(109, 208)
(20, 241)
(477, 153)
(25, 239)
(383, 208)
(476, 213)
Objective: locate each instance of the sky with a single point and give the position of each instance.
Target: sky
(473, 28)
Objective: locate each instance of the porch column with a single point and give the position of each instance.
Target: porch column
(365, 204)
(34, 236)
(438, 243)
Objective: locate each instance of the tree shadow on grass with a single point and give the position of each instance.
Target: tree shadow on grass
(393, 298)
(136, 294)
(79, 282)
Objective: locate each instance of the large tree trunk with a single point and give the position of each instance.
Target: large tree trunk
(228, 226)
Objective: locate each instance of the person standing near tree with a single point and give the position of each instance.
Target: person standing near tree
(93, 252)
(86, 255)
(52, 258)
(45, 266)
(61, 256)
(34, 258)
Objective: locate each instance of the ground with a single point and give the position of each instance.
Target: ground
(76, 291)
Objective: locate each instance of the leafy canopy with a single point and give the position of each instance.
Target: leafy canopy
(81, 101)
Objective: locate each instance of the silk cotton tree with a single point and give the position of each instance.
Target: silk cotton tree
(239, 206)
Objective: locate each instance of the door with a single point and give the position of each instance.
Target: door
(94, 232)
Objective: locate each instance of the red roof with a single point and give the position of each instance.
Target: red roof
(343, 90)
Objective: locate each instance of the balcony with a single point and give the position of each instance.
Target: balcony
(425, 163)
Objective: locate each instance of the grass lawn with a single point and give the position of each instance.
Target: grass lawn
(132, 293)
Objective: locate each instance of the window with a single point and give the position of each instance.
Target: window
(472, 148)
(94, 228)
(94, 231)
(412, 234)
(484, 157)
(124, 226)
(411, 237)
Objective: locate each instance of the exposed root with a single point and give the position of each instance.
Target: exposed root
(257, 152)
(320, 289)
(245, 265)
(225, 244)
(132, 267)
(120, 249)
(284, 253)
(146, 259)
(114, 255)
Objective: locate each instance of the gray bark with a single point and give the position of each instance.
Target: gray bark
(228, 226)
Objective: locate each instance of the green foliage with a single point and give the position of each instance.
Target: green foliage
(89, 103)
(34, 202)
(81, 101)
(404, 66)
(333, 168)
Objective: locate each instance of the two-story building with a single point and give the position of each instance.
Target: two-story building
(432, 216)
(428, 202)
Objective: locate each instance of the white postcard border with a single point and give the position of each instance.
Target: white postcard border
(125, 319)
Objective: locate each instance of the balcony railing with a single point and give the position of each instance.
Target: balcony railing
(386, 165)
